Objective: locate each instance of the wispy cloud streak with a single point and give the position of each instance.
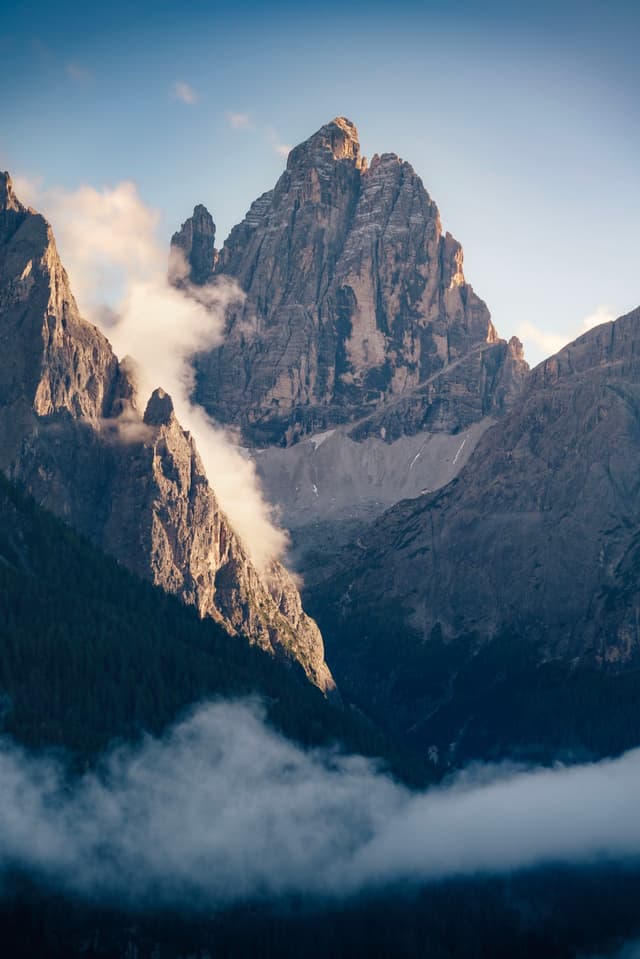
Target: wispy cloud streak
(239, 121)
(538, 339)
(78, 73)
(185, 93)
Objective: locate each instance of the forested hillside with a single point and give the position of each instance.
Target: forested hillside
(89, 652)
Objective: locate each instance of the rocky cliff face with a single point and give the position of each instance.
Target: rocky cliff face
(196, 240)
(532, 550)
(361, 367)
(71, 433)
(53, 363)
(357, 309)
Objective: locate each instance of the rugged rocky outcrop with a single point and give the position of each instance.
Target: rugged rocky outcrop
(357, 310)
(529, 558)
(71, 433)
(196, 240)
(53, 363)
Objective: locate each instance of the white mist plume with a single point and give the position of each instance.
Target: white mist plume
(224, 808)
(118, 271)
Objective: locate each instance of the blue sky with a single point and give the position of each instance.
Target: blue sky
(522, 120)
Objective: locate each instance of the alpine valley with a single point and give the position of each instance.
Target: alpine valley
(466, 528)
(460, 587)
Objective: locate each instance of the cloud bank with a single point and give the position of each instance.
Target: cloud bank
(223, 808)
(118, 272)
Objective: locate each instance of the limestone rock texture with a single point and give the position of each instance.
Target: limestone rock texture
(133, 482)
(357, 310)
(196, 240)
(532, 550)
(361, 367)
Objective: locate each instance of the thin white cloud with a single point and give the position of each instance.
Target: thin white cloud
(28, 189)
(78, 73)
(278, 147)
(185, 93)
(537, 340)
(603, 314)
(223, 808)
(239, 121)
(541, 343)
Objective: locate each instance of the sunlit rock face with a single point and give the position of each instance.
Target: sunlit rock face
(361, 367)
(357, 310)
(532, 551)
(70, 432)
(52, 362)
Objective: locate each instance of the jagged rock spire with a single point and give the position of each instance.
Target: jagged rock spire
(196, 239)
(159, 411)
(8, 200)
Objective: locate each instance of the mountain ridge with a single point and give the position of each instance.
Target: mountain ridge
(529, 555)
(134, 483)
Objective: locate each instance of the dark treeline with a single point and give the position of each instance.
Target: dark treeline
(555, 914)
(90, 653)
(495, 700)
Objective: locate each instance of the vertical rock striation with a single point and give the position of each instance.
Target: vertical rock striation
(356, 301)
(527, 563)
(196, 240)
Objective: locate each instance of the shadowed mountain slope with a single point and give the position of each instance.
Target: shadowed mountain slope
(502, 612)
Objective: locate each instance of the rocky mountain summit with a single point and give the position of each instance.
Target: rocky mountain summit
(132, 481)
(357, 310)
(527, 561)
(196, 240)
(361, 366)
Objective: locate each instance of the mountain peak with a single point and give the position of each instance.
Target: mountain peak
(347, 126)
(159, 409)
(353, 297)
(8, 199)
(337, 139)
(196, 239)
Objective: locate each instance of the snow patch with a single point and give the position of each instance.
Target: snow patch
(320, 438)
(455, 458)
